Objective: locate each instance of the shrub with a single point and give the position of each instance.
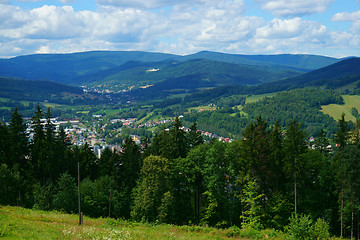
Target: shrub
(302, 228)
(321, 230)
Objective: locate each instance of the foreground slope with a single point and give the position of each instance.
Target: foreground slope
(20, 223)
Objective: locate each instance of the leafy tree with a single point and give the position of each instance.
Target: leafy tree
(66, 195)
(43, 196)
(153, 184)
(192, 169)
(250, 198)
(9, 185)
(216, 172)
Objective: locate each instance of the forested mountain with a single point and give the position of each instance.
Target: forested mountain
(77, 68)
(298, 61)
(39, 91)
(67, 67)
(337, 75)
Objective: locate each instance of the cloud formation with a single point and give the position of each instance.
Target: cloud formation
(178, 27)
(292, 8)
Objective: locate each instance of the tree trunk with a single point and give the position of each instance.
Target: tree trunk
(352, 223)
(342, 214)
(295, 193)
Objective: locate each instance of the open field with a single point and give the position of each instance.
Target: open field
(335, 110)
(255, 98)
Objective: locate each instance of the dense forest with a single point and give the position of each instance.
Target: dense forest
(268, 178)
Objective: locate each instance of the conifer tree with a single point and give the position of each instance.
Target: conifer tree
(18, 141)
(295, 145)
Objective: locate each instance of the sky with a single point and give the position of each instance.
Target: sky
(321, 27)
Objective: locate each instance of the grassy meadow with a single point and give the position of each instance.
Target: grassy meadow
(335, 110)
(20, 223)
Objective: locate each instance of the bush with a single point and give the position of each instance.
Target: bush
(302, 228)
(321, 229)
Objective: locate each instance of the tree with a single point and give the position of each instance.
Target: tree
(342, 134)
(216, 180)
(250, 198)
(38, 145)
(66, 195)
(18, 141)
(194, 136)
(152, 186)
(347, 165)
(295, 145)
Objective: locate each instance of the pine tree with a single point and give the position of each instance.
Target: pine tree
(18, 141)
(194, 136)
(295, 145)
(342, 134)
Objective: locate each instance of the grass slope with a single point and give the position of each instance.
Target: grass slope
(335, 110)
(20, 223)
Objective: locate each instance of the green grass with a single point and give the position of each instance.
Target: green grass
(335, 110)
(20, 223)
(109, 112)
(255, 98)
(205, 108)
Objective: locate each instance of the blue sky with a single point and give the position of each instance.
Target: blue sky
(324, 27)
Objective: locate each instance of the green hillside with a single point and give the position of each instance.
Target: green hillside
(70, 68)
(67, 67)
(40, 91)
(299, 61)
(137, 74)
(20, 223)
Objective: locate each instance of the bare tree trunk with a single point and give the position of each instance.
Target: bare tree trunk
(342, 213)
(295, 193)
(80, 213)
(352, 223)
(110, 204)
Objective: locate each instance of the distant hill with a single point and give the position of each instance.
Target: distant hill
(20, 90)
(67, 67)
(210, 73)
(337, 75)
(73, 68)
(298, 61)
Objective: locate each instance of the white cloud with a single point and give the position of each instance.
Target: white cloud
(184, 28)
(291, 8)
(353, 17)
(346, 16)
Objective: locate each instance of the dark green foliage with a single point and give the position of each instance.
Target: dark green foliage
(65, 197)
(43, 195)
(20, 90)
(252, 183)
(154, 182)
(302, 105)
(342, 134)
(9, 185)
(354, 112)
